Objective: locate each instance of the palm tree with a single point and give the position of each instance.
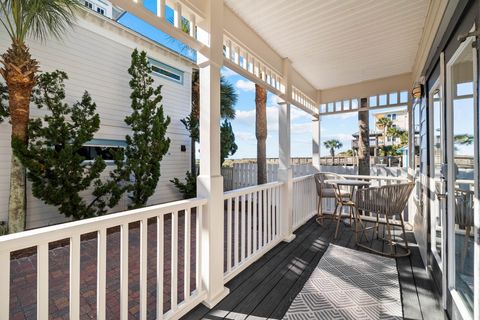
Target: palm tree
(332, 145)
(384, 123)
(464, 139)
(228, 99)
(261, 132)
(398, 133)
(22, 18)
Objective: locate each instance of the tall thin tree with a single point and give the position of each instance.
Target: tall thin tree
(261, 132)
(21, 18)
(384, 124)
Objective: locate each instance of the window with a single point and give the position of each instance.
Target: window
(89, 5)
(101, 148)
(165, 71)
(101, 10)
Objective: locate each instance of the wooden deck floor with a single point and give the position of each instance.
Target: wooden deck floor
(266, 289)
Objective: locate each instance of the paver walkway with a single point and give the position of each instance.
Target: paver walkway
(24, 275)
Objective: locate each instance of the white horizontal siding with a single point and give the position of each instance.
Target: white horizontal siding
(97, 61)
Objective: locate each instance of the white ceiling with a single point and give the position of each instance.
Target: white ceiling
(339, 42)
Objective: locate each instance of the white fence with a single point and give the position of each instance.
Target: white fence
(243, 175)
(252, 225)
(160, 222)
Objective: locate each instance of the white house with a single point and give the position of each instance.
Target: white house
(96, 55)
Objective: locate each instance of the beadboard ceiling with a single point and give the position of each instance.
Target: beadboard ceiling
(339, 42)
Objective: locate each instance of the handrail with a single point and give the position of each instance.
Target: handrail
(353, 176)
(30, 238)
(238, 192)
(298, 179)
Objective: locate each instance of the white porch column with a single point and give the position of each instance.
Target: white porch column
(316, 143)
(210, 180)
(285, 174)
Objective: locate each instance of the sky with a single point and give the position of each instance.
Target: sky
(340, 127)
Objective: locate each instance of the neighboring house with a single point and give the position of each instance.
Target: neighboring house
(102, 7)
(399, 120)
(96, 57)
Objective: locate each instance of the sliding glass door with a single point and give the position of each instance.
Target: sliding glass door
(462, 178)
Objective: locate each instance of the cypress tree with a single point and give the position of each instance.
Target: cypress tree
(148, 143)
(58, 172)
(3, 102)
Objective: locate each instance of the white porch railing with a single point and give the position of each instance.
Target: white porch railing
(305, 196)
(304, 200)
(167, 235)
(252, 225)
(167, 245)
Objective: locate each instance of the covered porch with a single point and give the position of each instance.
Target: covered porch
(248, 252)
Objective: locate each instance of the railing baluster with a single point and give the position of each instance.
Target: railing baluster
(177, 15)
(75, 277)
(237, 230)
(161, 8)
(42, 281)
(243, 226)
(143, 268)
(160, 253)
(124, 272)
(193, 26)
(198, 269)
(279, 192)
(255, 229)
(101, 272)
(260, 219)
(174, 262)
(229, 234)
(5, 287)
(249, 224)
(186, 281)
(265, 217)
(269, 215)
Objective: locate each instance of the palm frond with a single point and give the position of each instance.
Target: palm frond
(37, 18)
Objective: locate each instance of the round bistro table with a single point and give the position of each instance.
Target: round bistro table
(341, 201)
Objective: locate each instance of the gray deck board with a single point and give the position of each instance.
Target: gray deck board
(266, 288)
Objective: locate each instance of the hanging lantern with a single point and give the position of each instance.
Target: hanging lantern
(417, 91)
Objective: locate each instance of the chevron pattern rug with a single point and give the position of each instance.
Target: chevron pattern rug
(349, 284)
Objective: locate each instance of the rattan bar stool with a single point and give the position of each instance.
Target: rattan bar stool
(389, 201)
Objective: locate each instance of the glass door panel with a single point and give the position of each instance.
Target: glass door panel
(437, 186)
(461, 175)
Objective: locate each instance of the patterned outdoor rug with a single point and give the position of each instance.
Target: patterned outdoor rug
(349, 284)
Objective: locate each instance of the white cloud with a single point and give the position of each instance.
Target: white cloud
(247, 117)
(301, 128)
(244, 136)
(245, 85)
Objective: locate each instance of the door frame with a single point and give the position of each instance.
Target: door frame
(442, 265)
(457, 301)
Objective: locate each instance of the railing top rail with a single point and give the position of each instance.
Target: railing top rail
(466, 181)
(31, 238)
(239, 192)
(301, 178)
(354, 176)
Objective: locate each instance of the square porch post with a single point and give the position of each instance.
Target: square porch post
(316, 142)
(285, 173)
(210, 180)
